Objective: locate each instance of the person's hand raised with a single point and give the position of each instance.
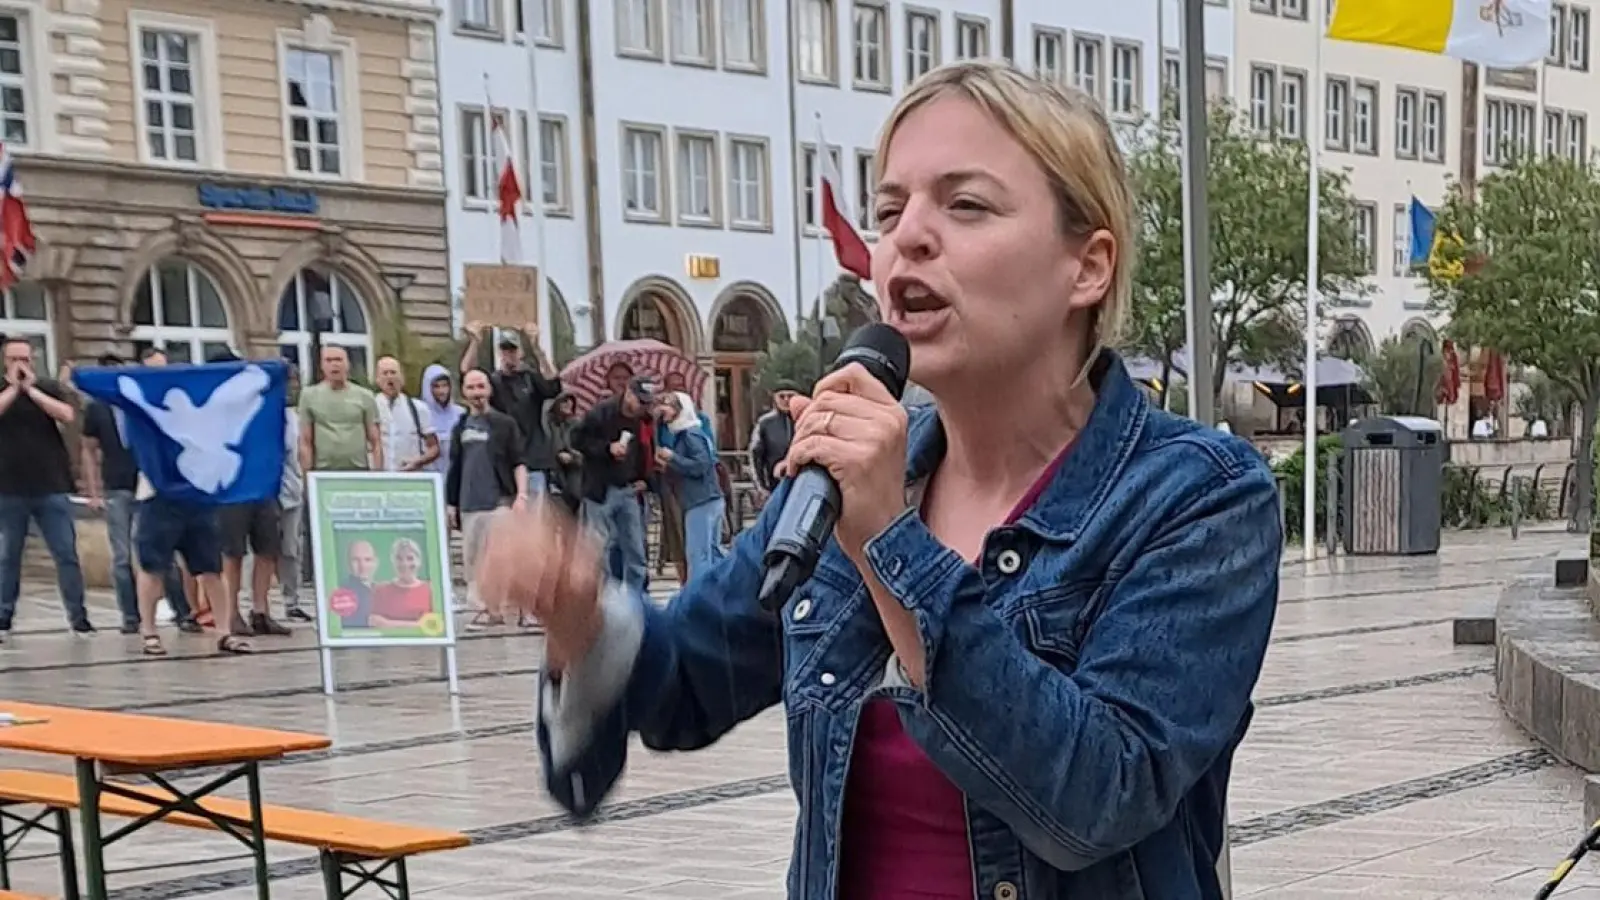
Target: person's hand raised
(539, 560)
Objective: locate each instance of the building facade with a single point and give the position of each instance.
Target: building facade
(207, 174)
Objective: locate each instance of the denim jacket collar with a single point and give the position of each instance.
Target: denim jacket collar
(1087, 475)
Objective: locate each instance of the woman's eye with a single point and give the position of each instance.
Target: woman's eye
(967, 204)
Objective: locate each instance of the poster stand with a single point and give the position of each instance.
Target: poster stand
(379, 547)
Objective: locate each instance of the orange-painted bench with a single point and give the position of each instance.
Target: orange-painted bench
(361, 848)
(13, 895)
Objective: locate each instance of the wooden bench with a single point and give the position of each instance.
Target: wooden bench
(363, 849)
(13, 895)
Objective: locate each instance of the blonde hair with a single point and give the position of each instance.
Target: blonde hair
(1067, 134)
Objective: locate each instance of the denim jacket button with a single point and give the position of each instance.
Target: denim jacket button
(828, 678)
(802, 609)
(1010, 561)
(1005, 890)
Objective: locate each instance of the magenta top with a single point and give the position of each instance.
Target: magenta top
(904, 834)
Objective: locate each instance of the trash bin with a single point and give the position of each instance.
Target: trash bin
(1393, 485)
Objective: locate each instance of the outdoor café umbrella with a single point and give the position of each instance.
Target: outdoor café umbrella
(585, 377)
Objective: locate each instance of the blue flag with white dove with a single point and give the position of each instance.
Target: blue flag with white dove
(208, 434)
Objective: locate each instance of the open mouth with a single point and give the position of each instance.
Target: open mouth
(911, 296)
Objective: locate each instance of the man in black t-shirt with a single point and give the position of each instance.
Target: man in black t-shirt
(36, 483)
(111, 476)
(521, 392)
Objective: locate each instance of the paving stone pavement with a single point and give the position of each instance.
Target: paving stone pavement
(1378, 764)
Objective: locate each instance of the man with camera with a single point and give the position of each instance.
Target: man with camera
(36, 483)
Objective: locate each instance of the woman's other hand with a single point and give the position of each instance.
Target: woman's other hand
(853, 427)
(541, 562)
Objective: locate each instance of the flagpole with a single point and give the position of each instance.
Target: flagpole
(821, 245)
(534, 136)
(1314, 138)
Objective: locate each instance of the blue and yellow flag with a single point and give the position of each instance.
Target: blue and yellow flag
(1424, 233)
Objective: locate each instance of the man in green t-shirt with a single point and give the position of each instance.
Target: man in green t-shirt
(339, 421)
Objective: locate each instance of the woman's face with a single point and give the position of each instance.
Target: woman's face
(405, 565)
(668, 408)
(972, 265)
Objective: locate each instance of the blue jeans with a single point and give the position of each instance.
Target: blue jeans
(120, 508)
(702, 534)
(53, 514)
(621, 526)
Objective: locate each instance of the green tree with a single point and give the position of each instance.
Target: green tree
(1545, 399)
(1402, 375)
(1256, 190)
(1519, 272)
(396, 338)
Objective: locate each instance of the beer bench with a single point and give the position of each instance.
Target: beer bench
(351, 850)
(13, 895)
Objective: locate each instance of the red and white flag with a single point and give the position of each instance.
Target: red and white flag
(833, 212)
(16, 231)
(508, 190)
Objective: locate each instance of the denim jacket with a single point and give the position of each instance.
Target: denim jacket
(694, 463)
(1087, 680)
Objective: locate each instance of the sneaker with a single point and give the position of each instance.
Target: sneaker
(130, 628)
(296, 614)
(83, 629)
(190, 626)
(164, 613)
(263, 624)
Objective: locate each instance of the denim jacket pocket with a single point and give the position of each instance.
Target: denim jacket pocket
(830, 657)
(1056, 620)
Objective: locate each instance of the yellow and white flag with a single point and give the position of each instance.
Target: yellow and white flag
(1504, 34)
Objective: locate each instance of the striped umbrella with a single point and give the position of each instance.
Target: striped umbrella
(585, 377)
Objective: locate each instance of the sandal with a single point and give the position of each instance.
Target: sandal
(152, 645)
(205, 620)
(235, 645)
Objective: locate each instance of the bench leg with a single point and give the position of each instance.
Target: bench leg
(402, 881)
(69, 856)
(94, 860)
(332, 875)
(258, 837)
(5, 853)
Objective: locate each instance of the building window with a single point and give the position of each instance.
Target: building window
(167, 95)
(1293, 9)
(1557, 54)
(1263, 98)
(1577, 137)
(1364, 118)
(313, 287)
(866, 190)
(1049, 55)
(1291, 105)
(1088, 65)
(643, 194)
(1433, 136)
(810, 175)
(1367, 235)
(698, 203)
(639, 28)
(476, 155)
(972, 38)
(871, 46)
(1269, 7)
(547, 20)
(743, 35)
(479, 15)
(1508, 130)
(1126, 99)
(1402, 241)
(25, 314)
(178, 308)
(1216, 80)
(1555, 136)
(555, 165)
(691, 31)
(315, 131)
(816, 39)
(922, 43)
(13, 82)
(1578, 38)
(747, 184)
(1337, 115)
(1405, 123)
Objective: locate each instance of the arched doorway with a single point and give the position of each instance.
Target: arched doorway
(25, 314)
(654, 315)
(563, 334)
(744, 324)
(1419, 330)
(1351, 340)
(309, 289)
(178, 309)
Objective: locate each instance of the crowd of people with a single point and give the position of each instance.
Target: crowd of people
(499, 434)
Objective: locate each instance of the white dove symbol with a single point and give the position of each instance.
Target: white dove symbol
(208, 434)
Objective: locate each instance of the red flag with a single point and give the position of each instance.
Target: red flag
(16, 231)
(508, 191)
(853, 253)
(1494, 377)
(1449, 390)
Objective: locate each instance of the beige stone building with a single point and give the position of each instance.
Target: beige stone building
(205, 173)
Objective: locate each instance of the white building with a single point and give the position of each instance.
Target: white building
(703, 130)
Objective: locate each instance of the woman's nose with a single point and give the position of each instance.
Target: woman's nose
(915, 234)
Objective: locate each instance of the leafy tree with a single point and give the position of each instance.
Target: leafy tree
(846, 306)
(1256, 190)
(1402, 377)
(1547, 400)
(1519, 273)
(395, 337)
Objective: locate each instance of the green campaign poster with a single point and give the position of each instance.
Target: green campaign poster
(381, 557)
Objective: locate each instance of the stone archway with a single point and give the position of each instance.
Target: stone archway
(192, 241)
(660, 309)
(744, 319)
(1419, 328)
(1351, 340)
(563, 333)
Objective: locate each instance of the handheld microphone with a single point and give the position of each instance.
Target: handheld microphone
(812, 507)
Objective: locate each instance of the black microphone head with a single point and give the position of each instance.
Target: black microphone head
(881, 350)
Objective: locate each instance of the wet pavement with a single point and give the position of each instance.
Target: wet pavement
(1378, 765)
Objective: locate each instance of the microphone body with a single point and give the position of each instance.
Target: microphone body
(811, 509)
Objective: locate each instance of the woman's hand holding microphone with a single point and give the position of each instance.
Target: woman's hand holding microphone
(539, 560)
